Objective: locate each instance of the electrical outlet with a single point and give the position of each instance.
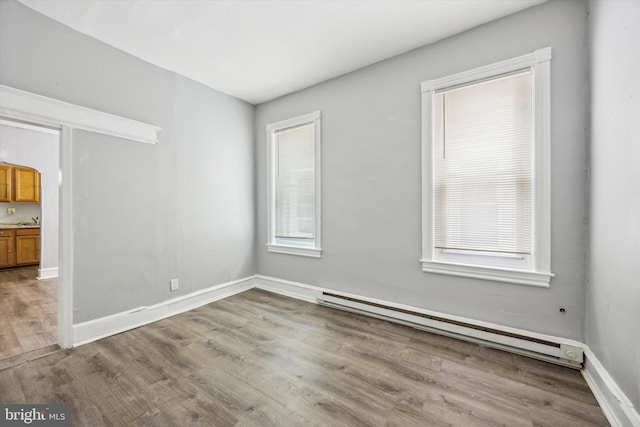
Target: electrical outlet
(11, 211)
(175, 285)
(575, 354)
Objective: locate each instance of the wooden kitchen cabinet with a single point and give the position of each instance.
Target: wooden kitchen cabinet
(19, 247)
(27, 246)
(7, 248)
(6, 183)
(19, 184)
(26, 185)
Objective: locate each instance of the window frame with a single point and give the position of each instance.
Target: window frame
(481, 267)
(272, 129)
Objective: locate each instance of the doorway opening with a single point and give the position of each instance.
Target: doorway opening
(29, 239)
(31, 109)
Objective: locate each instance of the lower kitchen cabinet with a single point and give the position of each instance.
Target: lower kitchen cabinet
(19, 247)
(7, 248)
(27, 246)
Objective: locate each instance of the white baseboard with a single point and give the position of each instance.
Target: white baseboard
(288, 288)
(618, 409)
(47, 273)
(311, 293)
(93, 330)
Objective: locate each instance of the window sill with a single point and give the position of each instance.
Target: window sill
(295, 250)
(530, 278)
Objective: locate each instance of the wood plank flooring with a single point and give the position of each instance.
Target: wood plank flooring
(260, 359)
(28, 311)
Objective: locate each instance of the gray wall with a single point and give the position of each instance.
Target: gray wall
(613, 299)
(371, 176)
(143, 214)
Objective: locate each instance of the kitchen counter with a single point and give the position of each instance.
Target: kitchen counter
(6, 225)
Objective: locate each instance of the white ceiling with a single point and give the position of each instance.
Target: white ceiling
(258, 50)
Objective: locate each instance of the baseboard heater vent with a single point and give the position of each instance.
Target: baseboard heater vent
(531, 346)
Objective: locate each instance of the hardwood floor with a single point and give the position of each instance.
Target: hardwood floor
(260, 359)
(28, 311)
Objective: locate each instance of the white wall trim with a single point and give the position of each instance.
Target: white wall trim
(616, 406)
(520, 277)
(29, 126)
(618, 409)
(288, 288)
(310, 293)
(116, 323)
(490, 70)
(96, 329)
(294, 250)
(47, 273)
(30, 107)
(65, 240)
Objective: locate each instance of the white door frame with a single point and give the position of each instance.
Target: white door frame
(65, 242)
(41, 110)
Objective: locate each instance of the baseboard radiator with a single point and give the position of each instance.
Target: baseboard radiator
(542, 349)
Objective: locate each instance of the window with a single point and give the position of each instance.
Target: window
(486, 179)
(294, 186)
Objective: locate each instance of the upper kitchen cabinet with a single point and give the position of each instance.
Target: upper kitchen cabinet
(26, 185)
(6, 186)
(19, 184)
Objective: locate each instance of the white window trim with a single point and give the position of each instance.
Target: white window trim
(315, 251)
(540, 275)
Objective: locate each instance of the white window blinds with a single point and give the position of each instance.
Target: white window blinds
(483, 165)
(295, 185)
